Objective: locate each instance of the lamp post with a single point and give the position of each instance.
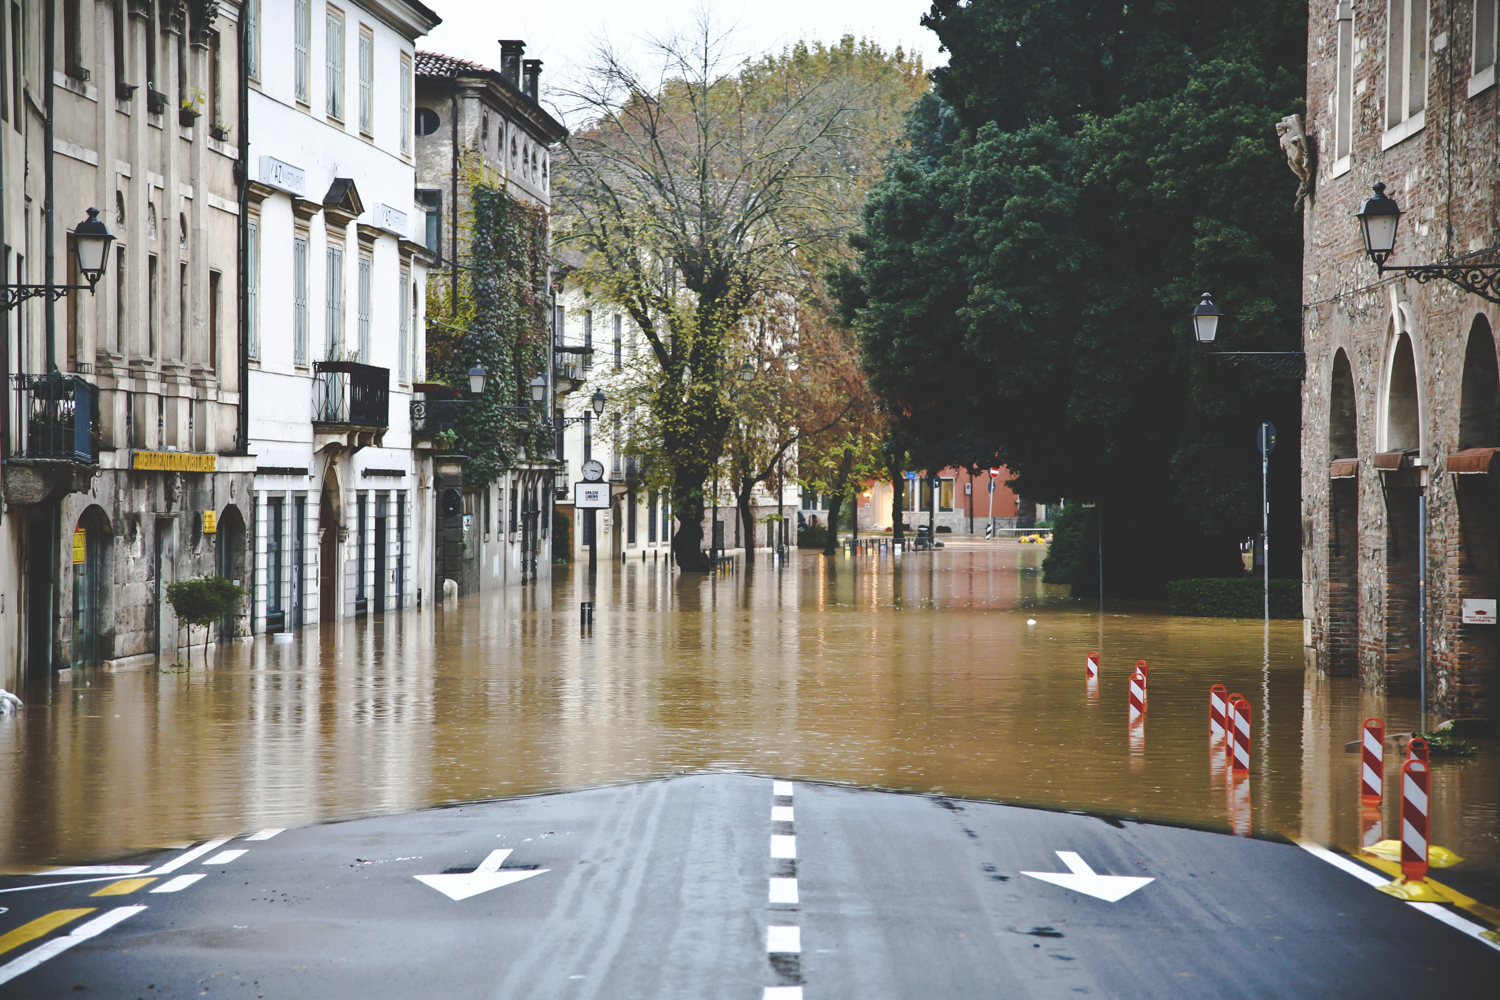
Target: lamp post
(92, 240)
(1206, 316)
(1380, 219)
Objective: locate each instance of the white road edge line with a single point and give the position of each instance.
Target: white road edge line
(781, 814)
(783, 993)
(783, 940)
(179, 883)
(266, 834)
(54, 885)
(1371, 878)
(190, 856)
(783, 890)
(224, 857)
(781, 788)
(58, 945)
(783, 847)
(96, 870)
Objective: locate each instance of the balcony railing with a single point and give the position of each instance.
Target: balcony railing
(353, 394)
(59, 418)
(430, 417)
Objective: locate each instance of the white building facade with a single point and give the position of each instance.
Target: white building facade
(335, 298)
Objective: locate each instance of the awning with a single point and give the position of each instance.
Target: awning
(1343, 468)
(1472, 461)
(1390, 461)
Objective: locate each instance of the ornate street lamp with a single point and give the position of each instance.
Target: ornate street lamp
(1379, 219)
(747, 373)
(1286, 364)
(1205, 321)
(539, 389)
(476, 380)
(598, 400)
(92, 239)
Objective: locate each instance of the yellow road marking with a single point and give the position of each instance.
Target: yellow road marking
(38, 927)
(1484, 912)
(122, 887)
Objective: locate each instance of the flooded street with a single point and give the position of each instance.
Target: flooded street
(917, 673)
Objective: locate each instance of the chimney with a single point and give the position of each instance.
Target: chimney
(531, 73)
(510, 59)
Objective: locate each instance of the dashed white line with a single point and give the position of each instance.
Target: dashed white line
(783, 847)
(783, 993)
(189, 856)
(781, 788)
(179, 883)
(783, 890)
(781, 814)
(224, 857)
(58, 945)
(266, 834)
(784, 940)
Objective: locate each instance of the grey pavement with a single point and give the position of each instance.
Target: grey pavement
(662, 889)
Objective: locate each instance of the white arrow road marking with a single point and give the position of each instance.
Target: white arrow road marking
(1110, 888)
(482, 879)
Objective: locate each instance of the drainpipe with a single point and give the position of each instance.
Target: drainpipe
(453, 149)
(47, 206)
(242, 177)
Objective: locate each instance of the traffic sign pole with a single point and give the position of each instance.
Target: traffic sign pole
(1265, 440)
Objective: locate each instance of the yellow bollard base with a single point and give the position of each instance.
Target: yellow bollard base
(1413, 892)
(1437, 857)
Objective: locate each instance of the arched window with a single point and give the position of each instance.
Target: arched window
(1479, 407)
(1402, 431)
(1342, 439)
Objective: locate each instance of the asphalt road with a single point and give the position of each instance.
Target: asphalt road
(670, 888)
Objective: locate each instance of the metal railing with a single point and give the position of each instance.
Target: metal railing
(59, 418)
(433, 416)
(345, 392)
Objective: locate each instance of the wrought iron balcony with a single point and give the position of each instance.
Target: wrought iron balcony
(352, 395)
(430, 417)
(59, 418)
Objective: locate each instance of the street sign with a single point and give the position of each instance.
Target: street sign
(1478, 611)
(968, 489)
(992, 486)
(994, 473)
(210, 522)
(1265, 439)
(591, 496)
(911, 475)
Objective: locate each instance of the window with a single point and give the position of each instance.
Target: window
(651, 516)
(588, 435)
(405, 326)
(15, 64)
(183, 316)
(299, 300)
(118, 19)
(366, 81)
(432, 204)
(427, 121)
(588, 338)
(487, 491)
(559, 325)
(1343, 91)
(615, 441)
(252, 288)
(215, 84)
(945, 494)
(630, 517)
(1486, 19)
(335, 43)
(360, 541)
(1406, 65)
(120, 301)
(416, 369)
(333, 341)
(302, 32)
(515, 496)
(666, 521)
(252, 39)
(73, 40)
(275, 526)
(72, 313)
(153, 305)
(213, 319)
(619, 345)
(364, 309)
(406, 122)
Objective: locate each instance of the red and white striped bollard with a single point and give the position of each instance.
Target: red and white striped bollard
(1137, 695)
(1372, 762)
(1091, 665)
(1417, 749)
(1145, 675)
(1241, 760)
(1414, 775)
(1217, 697)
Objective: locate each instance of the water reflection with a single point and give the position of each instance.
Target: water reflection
(913, 671)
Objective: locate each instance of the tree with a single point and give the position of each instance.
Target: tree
(1027, 265)
(691, 195)
(202, 601)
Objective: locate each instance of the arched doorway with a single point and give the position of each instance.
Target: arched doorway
(229, 558)
(1342, 653)
(1476, 648)
(1402, 432)
(329, 530)
(91, 588)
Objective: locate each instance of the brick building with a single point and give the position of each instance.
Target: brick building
(1401, 405)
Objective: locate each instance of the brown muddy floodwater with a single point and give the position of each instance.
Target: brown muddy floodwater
(918, 672)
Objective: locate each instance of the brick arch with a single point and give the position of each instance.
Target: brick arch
(1479, 402)
(1343, 432)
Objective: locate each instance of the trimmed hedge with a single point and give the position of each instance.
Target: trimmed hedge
(812, 538)
(1235, 598)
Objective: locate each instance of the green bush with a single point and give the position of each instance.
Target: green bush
(202, 601)
(812, 538)
(1235, 598)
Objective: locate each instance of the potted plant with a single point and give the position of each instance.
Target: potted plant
(189, 112)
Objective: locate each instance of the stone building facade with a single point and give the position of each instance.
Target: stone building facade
(1401, 403)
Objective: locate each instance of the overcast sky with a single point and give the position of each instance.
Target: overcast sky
(563, 34)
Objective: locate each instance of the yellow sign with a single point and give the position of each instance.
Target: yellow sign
(80, 544)
(173, 461)
(210, 522)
